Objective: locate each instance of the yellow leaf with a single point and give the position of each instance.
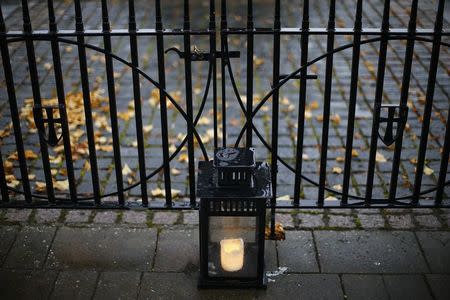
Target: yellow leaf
(330, 198)
(337, 170)
(340, 159)
(204, 121)
(413, 160)
(336, 119)
(428, 171)
(284, 197)
(61, 185)
(40, 187)
(148, 128)
(380, 158)
(126, 170)
(125, 115)
(175, 172)
(337, 187)
(257, 61)
(47, 66)
(183, 158)
(314, 105)
(8, 166)
(355, 153)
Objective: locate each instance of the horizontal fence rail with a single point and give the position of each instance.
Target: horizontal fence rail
(53, 126)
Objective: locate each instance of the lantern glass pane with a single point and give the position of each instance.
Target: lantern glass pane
(233, 246)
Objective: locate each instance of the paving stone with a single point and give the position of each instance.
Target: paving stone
(407, 287)
(118, 285)
(303, 286)
(400, 221)
(311, 221)
(155, 285)
(368, 211)
(17, 215)
(30, 248)
(286, 220)
(365, 287)
(7, 237)
(75, 285)
(105, 217)
(297, 252)
(182, 257)
(341, 221)
(32, 285)
(339, 211)
(436, 246)
(270, 255)
(428, 221)
(165, 218)
(103, 249)
(422, 211)
(135, 217)
(369, 251)
(44, 215)
(190, 218)
(395, 210)
(78, 216)
(371, 221)
(439, 285)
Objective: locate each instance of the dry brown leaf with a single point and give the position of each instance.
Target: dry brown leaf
(126, 170)
(314, 105)
(331, 198)
(40, 187)
(355, 153)
(337, 170)
(8, 166)
(61, 185)
(428, 171)
(337, 187)
(340, 159)
(148, 128)
(183, 158)
(336, 119)
(257, 61)
(175, 172)
(380, 158)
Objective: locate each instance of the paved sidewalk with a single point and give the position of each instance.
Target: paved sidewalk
(327, 254)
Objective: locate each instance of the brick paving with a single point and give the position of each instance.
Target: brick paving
(329, 254)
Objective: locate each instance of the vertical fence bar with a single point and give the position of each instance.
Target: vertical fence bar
(37, 98)
(352, 102)
(61, 101)
(326, 102)
(378, 100)
(302, 102)
(9, 79)
(224, 61)
(213, 61)
(275, 113)
(112, 102)
(3, 185)
(137, 102)
(87, 102)
(163, 102)
(429, 100)
(403, 98)
(444, 163)
(189, 110)
(250, 41)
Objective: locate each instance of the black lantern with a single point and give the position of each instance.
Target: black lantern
(233, 190)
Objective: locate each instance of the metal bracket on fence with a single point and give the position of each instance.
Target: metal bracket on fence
(51, 138)
(402, 116)
(308, 77)
(199, 55)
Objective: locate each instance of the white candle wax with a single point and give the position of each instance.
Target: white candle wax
(232, 254)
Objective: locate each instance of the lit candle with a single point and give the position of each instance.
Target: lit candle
(232, 254)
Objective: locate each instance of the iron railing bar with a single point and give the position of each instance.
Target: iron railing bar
(163, 103)
(403, 98)
(326, 103)
(233, 31)
(352, 103)
(59, 81)
(189, 109)
(37, 100)
(250, 42)
(223, 62)
(302, 102)
(434, 61)
(112, 103)
(9, 80)
(377, 102)
(213, 61)
(3, 184)
(87, 103)
(444, 163)
(137, 103)
(275, 113)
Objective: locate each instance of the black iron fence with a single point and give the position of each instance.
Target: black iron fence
(388, 122)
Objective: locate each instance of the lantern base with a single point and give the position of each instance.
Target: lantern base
(231, 283)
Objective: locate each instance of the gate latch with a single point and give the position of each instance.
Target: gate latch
(200, 55)
(393, 114)
(49, 135)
